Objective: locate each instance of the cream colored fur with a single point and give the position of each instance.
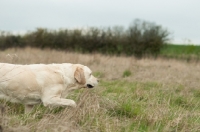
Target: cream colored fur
(49, 84)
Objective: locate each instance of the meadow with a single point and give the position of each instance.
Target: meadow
(184, 52)
(134, 95)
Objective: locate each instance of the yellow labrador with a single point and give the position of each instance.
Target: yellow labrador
(49, 84)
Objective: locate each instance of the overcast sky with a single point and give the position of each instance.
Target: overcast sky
(181, 17)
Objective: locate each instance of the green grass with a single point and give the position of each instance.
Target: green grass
(98, 74)
(127, 73)
(151, 106)
(129, 102)
(123, 107)
(181, 51)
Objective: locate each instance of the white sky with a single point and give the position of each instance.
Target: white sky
(181, 17)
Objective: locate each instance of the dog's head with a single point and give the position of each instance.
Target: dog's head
(83, 75)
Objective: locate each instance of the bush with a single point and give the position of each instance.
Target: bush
(126, 73)
(141, 38)
(8, 40)
(146, 38)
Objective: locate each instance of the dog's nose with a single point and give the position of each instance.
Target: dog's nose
(89, 86)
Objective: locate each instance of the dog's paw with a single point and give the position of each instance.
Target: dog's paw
(73, 104)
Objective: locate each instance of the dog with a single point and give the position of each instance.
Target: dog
(43, 83)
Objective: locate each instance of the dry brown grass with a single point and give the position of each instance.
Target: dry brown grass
(112, 67)
(91, 114)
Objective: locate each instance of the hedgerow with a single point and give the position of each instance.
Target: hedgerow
(141, 38)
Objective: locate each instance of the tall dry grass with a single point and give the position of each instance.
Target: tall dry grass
(97, 112)
(112, 67)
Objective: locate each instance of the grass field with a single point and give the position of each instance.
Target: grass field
(146, 95)
(188, 52)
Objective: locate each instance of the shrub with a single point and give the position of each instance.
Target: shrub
(141, 38)
(146, 38)
(127, 73)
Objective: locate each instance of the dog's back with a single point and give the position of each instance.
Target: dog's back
(24, 83)
(18, 84)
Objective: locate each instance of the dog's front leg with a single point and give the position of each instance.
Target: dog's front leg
(57, 101)
(52, 97)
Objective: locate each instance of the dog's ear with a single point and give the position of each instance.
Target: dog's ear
(79, 75)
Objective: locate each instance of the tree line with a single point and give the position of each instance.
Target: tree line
(141, 38)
